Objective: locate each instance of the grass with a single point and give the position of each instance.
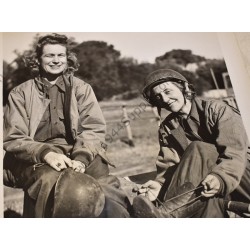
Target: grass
(128, 160)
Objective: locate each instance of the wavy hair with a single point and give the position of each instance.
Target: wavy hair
(31, 61)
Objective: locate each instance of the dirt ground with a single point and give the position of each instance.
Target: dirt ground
(128, 160)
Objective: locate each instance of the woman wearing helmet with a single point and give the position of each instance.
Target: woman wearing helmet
(202, 143)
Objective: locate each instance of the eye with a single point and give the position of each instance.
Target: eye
(158, 97)
(62, 55)
(49, 55)
(166, 91)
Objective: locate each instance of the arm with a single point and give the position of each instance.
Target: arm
(231, 142)
(16, 138)
(91, 128)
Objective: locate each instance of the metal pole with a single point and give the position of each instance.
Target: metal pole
(213, 76)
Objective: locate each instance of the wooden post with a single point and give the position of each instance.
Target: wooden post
(126, 122)
(214, 79)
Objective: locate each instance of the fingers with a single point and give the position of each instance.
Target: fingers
(209, 193)
(149, 189)
(143, 190)
(78, 166)
(150, 184)
(206, 182)
(145, 187)
(60, 162)
(57, 161)
(67, 161)
(211, 186)
(58, 165)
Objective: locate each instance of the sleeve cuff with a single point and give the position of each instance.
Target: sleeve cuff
(45, 150)
(82, 157)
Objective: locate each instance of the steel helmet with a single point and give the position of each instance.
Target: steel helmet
(77, 195)
(159, 76)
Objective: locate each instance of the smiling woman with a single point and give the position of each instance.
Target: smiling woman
(203, 146)
(53, 61)
(53, 122)
(171, 98)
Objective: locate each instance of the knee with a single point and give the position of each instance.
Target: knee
(41, 181)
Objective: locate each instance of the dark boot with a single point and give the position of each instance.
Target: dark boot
(185, 204)
(144, 208)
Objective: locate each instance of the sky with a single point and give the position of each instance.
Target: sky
(142, 46)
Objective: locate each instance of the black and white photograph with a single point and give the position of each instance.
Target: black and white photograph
(125, 124)
(121, 125)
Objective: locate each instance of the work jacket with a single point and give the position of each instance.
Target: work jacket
(212, 121)
(25, 109)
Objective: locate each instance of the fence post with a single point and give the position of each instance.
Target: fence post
(126, 122)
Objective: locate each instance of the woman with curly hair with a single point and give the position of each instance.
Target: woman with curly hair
(53, 126)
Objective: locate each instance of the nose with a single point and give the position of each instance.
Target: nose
(164, 97)
(55, 59)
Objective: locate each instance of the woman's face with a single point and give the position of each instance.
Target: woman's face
(54, 59)
(169, 96)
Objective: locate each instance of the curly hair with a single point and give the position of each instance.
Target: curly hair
(31, 61)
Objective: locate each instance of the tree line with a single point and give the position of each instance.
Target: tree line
(110, 74)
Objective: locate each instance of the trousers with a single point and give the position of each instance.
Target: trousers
(38, 183)
(196, 163)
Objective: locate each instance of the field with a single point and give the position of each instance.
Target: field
(129, 160)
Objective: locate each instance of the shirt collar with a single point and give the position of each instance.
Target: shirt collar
(193, 115)
(59, 83)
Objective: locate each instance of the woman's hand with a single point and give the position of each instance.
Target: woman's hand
(78, 166)
(150, 189)
(57, 161)
(211, 186)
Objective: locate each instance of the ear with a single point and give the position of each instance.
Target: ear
(37, 61)
(186, 87)
(188, 93)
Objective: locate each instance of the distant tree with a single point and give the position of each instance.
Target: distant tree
(132, 74)
(201, 77)
(102, 66)
(98, 66)
(179, 57)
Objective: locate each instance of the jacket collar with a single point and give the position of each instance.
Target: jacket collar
(42, 83)
(171, 124)
(195, 108)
